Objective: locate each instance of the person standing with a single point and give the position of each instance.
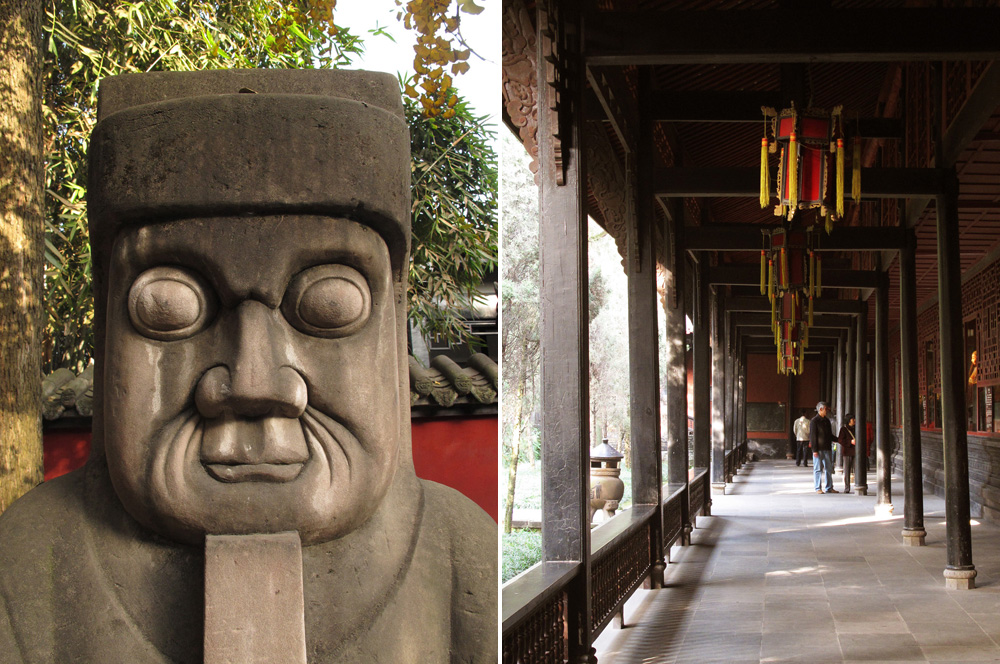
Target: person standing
(821, 443)
(847, 441)
(801, 430)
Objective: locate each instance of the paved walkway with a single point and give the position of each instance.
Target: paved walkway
(782, 574)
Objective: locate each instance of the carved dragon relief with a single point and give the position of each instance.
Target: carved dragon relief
(520, 58)
(608, 185)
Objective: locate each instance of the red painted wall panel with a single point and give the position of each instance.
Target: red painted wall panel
(461, 452)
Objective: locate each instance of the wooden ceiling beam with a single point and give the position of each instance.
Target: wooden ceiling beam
(755, 303)
(744, 182)
(820, 321)
(671, 106)
(747, 237)
(749, 275)
(805, 34)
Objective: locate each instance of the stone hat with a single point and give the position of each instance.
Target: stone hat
(174, 145)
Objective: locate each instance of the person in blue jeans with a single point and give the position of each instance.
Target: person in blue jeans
(821, 442)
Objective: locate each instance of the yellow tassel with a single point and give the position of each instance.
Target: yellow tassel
(840, 179)
(770, 279)
(802, 358)
(781, 365)
(856, 175)
(819, 275)
(810, 310)
(763, 272)
(784, 268)
(793, 173)
(828, 225)
(765, 175)
(774, 313)
(805, 336)
(812, 273)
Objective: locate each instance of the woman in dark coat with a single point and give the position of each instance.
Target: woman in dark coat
(846, 441)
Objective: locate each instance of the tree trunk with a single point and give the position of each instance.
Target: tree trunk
(21, 248)
(515, 445)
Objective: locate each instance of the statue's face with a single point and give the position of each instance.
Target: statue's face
(251, 380)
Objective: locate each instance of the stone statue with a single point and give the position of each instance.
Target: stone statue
(250, 495)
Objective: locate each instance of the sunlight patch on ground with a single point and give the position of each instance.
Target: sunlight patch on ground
(857, 520)
(812, 569)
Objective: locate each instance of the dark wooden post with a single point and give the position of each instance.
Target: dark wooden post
(741, 429)
(718, 392)
(702, 370)
(861, 402)
(913, 481)
(883, 487)
(677, 438)
(838, 363)
(850, 364)
(730, 372)
(790, 417)
(960, 573)
(643, 336)
(565, 357)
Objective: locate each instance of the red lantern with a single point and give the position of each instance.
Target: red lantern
(809, 173)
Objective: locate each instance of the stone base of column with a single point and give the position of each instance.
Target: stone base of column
(883, 509)
(589, 657)
(729, 479)
(718, 488)
(915, 537)
(686, 534)
(708, 509)
(790, 457)
(861, 490)
(655, 579)
(960, 579)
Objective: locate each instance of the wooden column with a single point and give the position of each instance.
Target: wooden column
(677, 438)
(883, 486)
(850, 364)
(913, 481)
(960, 573)
(702, 370)
(643, 336)
(730, 369)
(718, 392)
(790, 417)
(565, 358)
(861, 402)
(838, 363)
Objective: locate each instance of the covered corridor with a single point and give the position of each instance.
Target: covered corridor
(781, 574)
(686, 129)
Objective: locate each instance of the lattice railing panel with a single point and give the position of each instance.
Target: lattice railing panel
(617, 573)
(671, 521)
(541, 638)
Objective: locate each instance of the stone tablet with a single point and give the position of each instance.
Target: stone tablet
(250, 235)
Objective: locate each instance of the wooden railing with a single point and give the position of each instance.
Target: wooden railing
(536, 602)
(535, 606)
(699, 491)
(673, 522)
(620, 561)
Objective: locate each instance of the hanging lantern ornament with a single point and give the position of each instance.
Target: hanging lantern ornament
(790, 271)
(810, 148)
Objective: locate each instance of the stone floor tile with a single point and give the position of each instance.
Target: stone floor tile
(957, 634)
(880, 647)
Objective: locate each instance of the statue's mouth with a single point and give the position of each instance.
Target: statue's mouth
(254, 472)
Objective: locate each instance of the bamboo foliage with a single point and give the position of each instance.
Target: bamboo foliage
(87, 40)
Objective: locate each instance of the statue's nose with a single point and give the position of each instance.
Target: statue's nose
(258, 380)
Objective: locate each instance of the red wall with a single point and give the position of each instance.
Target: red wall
(764, 383)
(459, 452)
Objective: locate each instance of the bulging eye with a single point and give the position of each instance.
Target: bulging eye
(168, 303)
(327, 301)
